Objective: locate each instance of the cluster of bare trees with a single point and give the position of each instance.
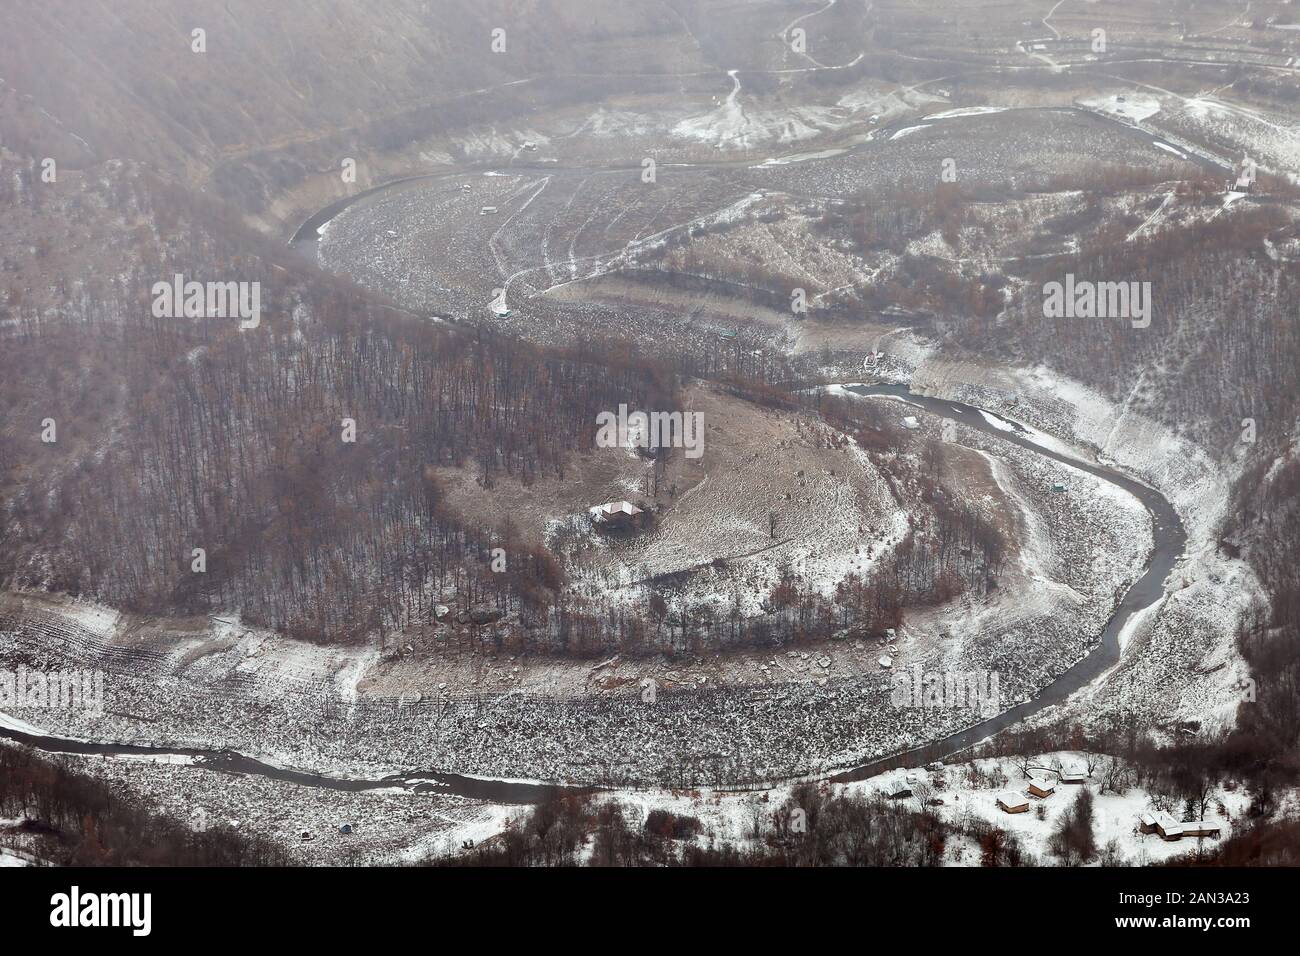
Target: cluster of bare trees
(954, 551)
(812, 827)
(951, 547)
(1073, 838)
(1266, 521)
(75, 820)
(300, 457)
(1222, 323)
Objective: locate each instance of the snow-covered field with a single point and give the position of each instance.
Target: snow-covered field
(965, 795)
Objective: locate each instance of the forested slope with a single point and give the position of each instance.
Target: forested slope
(175, 434)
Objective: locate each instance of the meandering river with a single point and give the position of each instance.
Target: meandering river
(1169, 542)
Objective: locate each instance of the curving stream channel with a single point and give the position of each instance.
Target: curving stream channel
(1169, 541)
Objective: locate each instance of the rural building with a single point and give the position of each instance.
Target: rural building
(616, 515)
(486, 210)
(1158, 821)
(910, 422)
(898, 790)
(1013, 802)
(1245, 178)
(1042, 788)
(1073, 776)
(1167, 826)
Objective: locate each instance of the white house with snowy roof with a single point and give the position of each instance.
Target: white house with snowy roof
(615, 514)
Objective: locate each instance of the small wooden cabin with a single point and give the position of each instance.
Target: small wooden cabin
(1012, 802)
(1042, 788)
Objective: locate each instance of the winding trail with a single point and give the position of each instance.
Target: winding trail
(1047, 19)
